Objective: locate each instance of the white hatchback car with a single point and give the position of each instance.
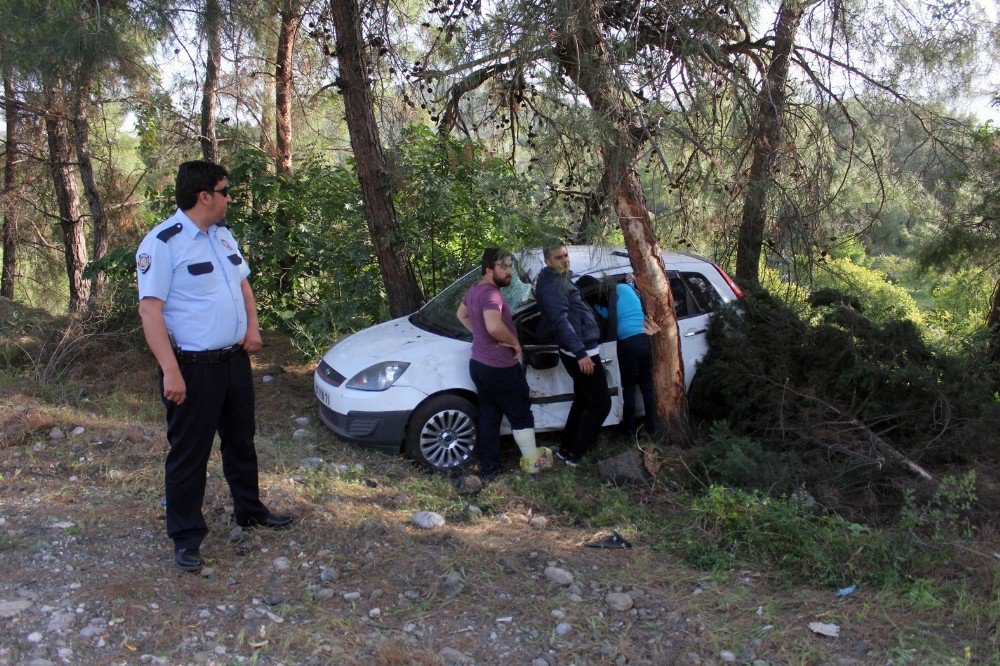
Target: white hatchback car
(404, 385)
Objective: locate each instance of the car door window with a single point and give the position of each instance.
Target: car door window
(693, 295)
(682, 308)
(701, 292)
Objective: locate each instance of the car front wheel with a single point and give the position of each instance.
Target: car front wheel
(441, 434)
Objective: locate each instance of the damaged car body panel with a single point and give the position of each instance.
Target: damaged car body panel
(404, 385)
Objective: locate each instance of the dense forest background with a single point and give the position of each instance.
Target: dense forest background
(836, 157)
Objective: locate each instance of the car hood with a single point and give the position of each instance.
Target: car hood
(396, 340)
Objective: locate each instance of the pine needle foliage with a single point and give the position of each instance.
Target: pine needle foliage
(797, 399)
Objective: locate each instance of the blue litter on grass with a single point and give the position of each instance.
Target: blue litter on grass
(844, 591)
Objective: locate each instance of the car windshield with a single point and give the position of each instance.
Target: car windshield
(438, 315)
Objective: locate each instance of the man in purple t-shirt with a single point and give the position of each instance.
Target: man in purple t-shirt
(495, 368)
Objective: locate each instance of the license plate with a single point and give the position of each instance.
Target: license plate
(321, 394)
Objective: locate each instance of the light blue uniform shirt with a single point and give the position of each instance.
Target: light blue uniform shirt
(629, 311)
(197, 275)
(630, 316)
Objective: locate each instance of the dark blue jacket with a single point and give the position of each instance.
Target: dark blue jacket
(565, 314)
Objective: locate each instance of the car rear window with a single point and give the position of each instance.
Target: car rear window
(693, 295)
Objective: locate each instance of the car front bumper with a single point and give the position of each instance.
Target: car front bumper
(373, 419)
(383, 431)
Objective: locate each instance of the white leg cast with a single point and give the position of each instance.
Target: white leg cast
(533, 458)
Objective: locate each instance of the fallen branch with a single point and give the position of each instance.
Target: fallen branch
(873, 439)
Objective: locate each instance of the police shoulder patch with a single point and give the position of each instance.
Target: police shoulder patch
(143, 262)
(170, 232)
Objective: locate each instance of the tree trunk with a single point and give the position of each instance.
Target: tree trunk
(11, 200)
(289, 20)
(993, 325)
(98, 214)
(213, 37)
(400, 282)
(283, 78)
(63, 178)
(268, 45)
(766, 143)
(651, 278)
(584, 53)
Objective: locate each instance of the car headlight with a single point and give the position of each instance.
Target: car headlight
(378, 377)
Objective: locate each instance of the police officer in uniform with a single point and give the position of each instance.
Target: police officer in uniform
(200, 321)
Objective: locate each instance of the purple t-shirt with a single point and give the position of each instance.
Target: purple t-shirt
(485, 348)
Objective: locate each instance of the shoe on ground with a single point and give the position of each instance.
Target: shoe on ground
(188, 559)
(570, 460)
(271, 521)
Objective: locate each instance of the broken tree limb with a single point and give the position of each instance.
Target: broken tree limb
(870, 436)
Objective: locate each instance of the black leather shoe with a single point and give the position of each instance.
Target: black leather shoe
(188, 559)
(271, 521)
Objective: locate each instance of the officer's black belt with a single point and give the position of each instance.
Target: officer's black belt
(206, 357)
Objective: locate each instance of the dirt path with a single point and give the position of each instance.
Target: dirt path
(86, 570)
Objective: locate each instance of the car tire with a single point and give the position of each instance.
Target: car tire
(441, 434)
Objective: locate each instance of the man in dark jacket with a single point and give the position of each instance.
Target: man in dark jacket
(572, 322)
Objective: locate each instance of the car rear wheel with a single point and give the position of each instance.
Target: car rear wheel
(441, 434)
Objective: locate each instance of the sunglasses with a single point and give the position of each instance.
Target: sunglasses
(224, 191)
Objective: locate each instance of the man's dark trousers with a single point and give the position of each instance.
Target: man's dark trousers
(219, 398)
(502, 392)
(591, 404)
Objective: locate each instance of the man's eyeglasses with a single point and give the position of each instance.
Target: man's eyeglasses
(504, 266)
(224, 191)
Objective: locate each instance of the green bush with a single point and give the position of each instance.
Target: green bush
(807, 390)
(880, 300)
(946, 513)
(307, 239)
(314, 275)
(961, 302)
(453, 200)
(740, 461)
(727, 526)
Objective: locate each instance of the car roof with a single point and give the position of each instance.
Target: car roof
(588, 259)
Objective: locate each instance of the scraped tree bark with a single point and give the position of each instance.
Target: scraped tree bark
(95, 201)
(585, 54)
(11, 200)
(767, 142)
(61, 162)
(213, 37)
(401, 287)
(993, 326)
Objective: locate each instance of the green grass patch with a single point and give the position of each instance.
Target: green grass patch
(584, 501)
(727, 526)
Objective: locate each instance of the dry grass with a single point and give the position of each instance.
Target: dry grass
(357, 521)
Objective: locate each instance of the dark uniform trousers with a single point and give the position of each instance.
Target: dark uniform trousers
(219, 398)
